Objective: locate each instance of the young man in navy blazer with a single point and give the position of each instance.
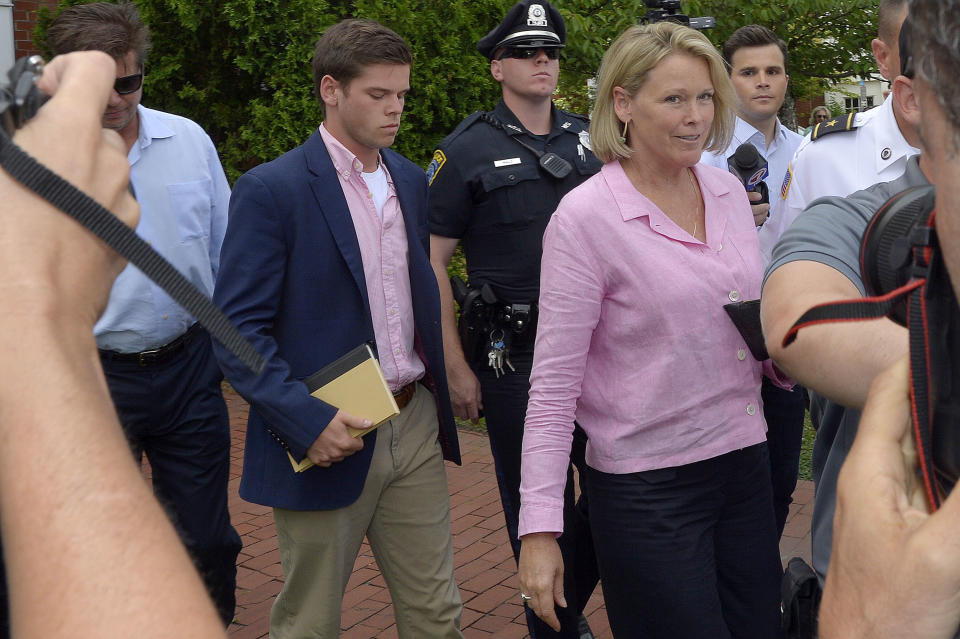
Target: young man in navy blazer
(327, 248)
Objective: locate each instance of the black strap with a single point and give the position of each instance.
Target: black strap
(495, 122)
(121, 238)
(853, 310)
(921, 404)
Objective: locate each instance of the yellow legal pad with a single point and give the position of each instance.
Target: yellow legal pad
(355, 384)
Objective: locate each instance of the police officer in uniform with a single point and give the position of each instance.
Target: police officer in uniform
(494, 183)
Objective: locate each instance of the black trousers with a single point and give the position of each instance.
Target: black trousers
(689, 552)
(783, 411)
(175, 414)
(505, 407)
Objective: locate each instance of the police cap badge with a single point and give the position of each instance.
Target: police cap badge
(530, 24)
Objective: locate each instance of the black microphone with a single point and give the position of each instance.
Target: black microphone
(751, 169)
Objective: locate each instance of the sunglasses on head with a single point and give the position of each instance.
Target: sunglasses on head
(128, 83)
(526, 53)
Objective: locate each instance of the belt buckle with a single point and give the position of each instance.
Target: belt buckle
(145, 358)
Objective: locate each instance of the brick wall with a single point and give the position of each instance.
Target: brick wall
(805, 107)
(24, 19)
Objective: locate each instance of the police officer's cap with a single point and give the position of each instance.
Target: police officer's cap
(530, 24)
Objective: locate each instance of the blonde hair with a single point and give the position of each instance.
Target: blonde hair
(627, 63)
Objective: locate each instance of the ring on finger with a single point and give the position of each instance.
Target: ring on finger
(525, 597)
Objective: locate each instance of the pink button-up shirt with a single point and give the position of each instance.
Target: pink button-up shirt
(633, 341)
(384, 252)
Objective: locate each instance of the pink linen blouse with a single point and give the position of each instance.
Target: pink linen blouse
(633, 341)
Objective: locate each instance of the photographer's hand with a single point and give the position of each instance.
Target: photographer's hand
(51, 268)
(895, 570)
(89, 551)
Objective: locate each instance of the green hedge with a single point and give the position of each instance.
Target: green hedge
(241, 68)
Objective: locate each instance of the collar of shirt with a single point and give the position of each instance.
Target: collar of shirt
(886, 135)
(745, 132)
(633, 204)
(559, 121)
(151, 128)
(344, 161)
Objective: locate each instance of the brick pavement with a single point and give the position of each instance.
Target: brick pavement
(485, 570)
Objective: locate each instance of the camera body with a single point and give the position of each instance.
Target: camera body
(669, 11)
(899, 246)
(20, 98)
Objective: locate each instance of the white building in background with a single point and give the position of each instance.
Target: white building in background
(848, 95)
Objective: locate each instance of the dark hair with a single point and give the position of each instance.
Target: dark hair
(752, 35)
(888, 20)
(350, 45)
(115, 29)
(936, 23)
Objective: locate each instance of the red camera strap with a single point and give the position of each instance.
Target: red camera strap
(921, 402)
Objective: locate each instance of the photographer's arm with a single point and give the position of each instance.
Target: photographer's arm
(836, 360)
(89, 552)
(895, 571)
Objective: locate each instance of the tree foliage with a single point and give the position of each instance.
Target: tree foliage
(827, 39)
(241, 68)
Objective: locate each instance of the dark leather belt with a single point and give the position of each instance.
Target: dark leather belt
(154, 356)
(405, 394)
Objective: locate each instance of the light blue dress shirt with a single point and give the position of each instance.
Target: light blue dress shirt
(183, 195)
(778, 156)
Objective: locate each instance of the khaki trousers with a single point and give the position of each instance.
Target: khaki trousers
(404, 511)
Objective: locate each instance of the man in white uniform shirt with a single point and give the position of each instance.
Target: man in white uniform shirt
(854, 151)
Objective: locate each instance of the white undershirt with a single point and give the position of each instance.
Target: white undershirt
(379, 189)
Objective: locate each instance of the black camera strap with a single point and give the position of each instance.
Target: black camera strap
(121, 238)
(916, 294)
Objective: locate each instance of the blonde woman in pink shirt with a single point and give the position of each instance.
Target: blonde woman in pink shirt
(634, 344)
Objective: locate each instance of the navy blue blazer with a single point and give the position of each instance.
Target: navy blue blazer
(291, 279)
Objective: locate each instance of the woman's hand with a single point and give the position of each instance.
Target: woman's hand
(541, 575)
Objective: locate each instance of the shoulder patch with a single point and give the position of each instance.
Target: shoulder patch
(585, 139)
(842, 123)
(787, 179)
(439, 159)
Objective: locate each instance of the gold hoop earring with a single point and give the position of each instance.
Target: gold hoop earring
(623, 136)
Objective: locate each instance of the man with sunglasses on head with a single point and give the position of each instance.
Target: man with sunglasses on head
(494, 183)
(158, 362)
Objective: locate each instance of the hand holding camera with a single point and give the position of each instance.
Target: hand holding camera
(883, 534)
(53, 267)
